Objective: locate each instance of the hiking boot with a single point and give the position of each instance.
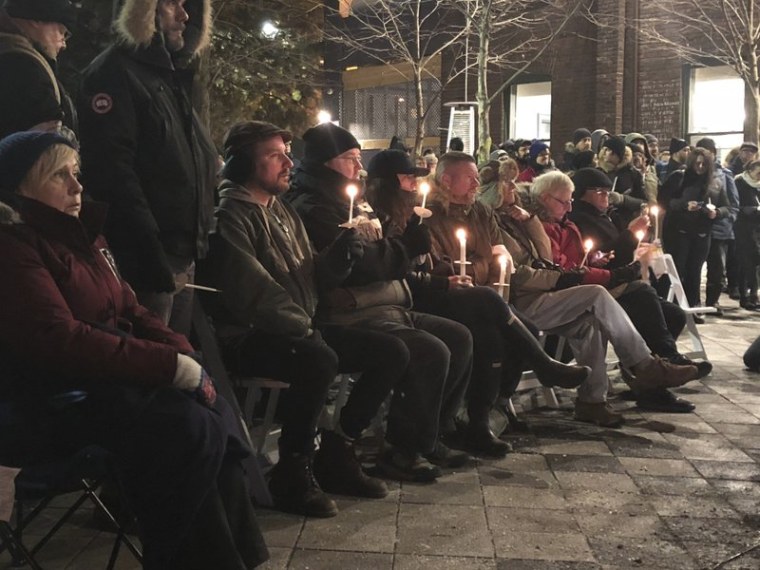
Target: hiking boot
(704, 367)
(402, 465)
(480, 440)
(659, 373)
(443, 456)
(662, 400)
(294, 489)
(598, 413)
(338, 470)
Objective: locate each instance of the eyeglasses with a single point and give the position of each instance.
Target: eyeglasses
(599, 191)
(356, 159)
(565, 204)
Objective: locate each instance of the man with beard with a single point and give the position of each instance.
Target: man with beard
(146, 152)
(262, 261)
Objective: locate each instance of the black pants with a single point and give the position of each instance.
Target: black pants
(716, 269)
(689, 254)
(752, 356)
(310, 366)
(749, 260)
(658, 322)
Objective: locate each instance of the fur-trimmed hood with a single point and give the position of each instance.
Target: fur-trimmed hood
(136, 24)
(8, 216)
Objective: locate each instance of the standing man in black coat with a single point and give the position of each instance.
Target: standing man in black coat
(146, 152)
(32, 35)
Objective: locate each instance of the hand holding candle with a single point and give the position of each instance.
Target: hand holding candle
(639, 236)
(588, 245)
(462, 237)
(352, 191)
(655, 211)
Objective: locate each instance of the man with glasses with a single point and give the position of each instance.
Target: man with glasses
(32, 35)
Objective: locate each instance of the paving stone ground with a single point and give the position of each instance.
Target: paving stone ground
(666, 491)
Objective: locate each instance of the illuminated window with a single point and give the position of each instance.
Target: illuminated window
(531, 111)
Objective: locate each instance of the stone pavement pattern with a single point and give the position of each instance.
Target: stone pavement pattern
(666, 491)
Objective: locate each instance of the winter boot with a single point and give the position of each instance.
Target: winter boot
(295, 490)
(338, 470)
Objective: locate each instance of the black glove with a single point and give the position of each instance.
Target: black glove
(569, 279)
(625, 274)
(416, 237)
(344, 251)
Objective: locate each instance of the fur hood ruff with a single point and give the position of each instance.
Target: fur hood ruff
(136, 24)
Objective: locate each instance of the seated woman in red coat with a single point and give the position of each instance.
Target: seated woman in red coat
(70, 324)
(552, 194)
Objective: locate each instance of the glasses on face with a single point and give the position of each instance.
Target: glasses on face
(355, 159)
(599, 191)
(565, 204)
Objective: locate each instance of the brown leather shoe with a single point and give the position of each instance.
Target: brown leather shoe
(659, 373)
(598, 413)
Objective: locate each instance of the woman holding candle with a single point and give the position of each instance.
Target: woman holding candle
(748, 234)
(503, 346)
(696, 202)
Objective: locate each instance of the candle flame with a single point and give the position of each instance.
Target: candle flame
(639, 235)
(503, 261)
(654, 210)
(352, 190)
(588, 245)
(424, 188)
(461, 234)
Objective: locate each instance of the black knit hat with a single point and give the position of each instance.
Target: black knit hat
(61, 11)
(580, 134)
(250, 132)
(677, 144)
(586, 178)
(326, 141)
(708, 144)
(389, 163)
(19, 152)
(583, 159)
(616, 145)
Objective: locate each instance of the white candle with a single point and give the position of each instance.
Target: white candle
(655, 211)
(352, 191)
(462, 237)
(587, 246)
(639, 236)
(502, 273)
(424, 189)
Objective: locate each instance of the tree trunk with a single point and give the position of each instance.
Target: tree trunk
(419, 104)
(481, 97)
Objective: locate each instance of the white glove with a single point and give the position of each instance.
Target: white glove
(188, 375)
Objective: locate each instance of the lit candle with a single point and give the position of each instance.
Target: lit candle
(352, 191)
(639, 236)
(587, 246)
(655, 211)
(462, 237)
(502, 273)
(424, 189)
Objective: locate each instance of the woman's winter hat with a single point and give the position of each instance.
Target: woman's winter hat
(586, 178)
(19, 152)
(616, 146)
(537, 148)
(389, 163)
(676, 145)
(60, 11)
(708, 144)
(326, 141)
(580, 134)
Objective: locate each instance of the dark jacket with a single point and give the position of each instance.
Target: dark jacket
(567, 251)
(28, 94)
(680, 219)
(63, 300)
(723, 227)
(261, 259)
(748, 222)
(146, 152)
(376, 288)
(606, 231)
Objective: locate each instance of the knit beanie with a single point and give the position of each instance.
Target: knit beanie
(676, 144)
(586, 178)
(651, 138)
(616, 146)
(708, 144)
(537, 148)
(580, 134)
(326, 141)
(60, 11)
(19, 152)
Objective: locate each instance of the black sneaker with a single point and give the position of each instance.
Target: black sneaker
(401, 465)
(664, 401)
(338, 470)
(443, 456)
(295, 490)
